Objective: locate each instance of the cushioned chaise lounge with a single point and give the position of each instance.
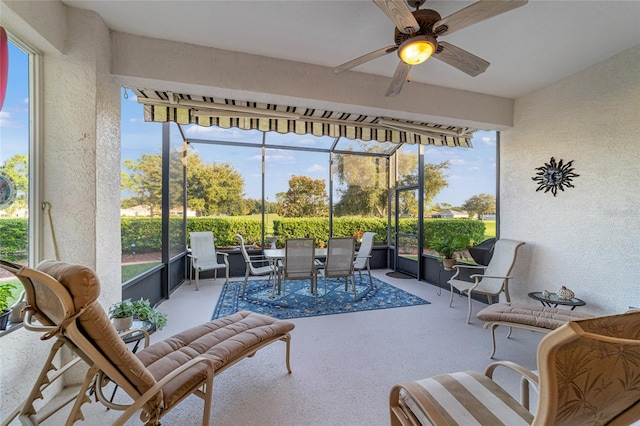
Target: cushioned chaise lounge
(542, 319)
(63, 299)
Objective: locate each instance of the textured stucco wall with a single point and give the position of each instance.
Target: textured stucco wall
(587, 237)
(162, 64)
(80, 169)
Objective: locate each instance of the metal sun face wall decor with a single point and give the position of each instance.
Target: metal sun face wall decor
(553, 176)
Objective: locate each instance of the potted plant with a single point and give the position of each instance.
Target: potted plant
(145, 312)
(121, 314)
(5, 298)
(448, 247)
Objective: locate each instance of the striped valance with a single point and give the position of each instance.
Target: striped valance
(226, 113)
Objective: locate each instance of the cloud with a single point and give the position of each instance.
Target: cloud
(457, 162)
(215, 132)
(4, 117)
(279, 156)
(316, 168)
(489, 140)
(202, 130)
(136, 120)
(6, 120)
(305, 141)
(25, 101)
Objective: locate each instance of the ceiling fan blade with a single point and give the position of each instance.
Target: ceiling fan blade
(400, 15)
(461, 59)
(399, 78)
(364, 58)
(477, 12)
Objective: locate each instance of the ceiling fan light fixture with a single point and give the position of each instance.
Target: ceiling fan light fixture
(417, 49)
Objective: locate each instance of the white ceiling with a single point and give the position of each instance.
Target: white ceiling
(528, 47)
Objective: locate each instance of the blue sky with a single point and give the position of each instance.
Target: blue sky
(472, 171)
(14, 116)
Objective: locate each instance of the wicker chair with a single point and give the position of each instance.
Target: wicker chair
(588, 373)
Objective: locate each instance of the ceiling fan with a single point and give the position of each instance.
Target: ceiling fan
(416, 37)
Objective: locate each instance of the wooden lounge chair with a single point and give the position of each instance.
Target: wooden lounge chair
(62, 298)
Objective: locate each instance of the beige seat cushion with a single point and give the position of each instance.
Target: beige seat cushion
(465, 398)
(223, 340)
(531, 315)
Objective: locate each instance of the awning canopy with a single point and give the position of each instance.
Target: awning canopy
(162, 106)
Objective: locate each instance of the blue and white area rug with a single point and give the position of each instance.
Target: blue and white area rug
(299, 302)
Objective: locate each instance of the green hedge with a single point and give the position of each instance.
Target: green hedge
(438, 228)
(145, 232)
(15, 239)
(225, 229)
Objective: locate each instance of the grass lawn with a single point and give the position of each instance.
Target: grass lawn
(489, 229)
(134, 269)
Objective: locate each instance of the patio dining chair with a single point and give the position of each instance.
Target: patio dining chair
(339, 263)
(364, 255)
(492, 279)
(298, 263)
(204, 256)
(266, 268)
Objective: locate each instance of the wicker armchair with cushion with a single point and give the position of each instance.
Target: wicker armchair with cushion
(588, 374)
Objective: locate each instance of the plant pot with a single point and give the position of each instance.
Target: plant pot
(448, 264)
(17, 315)
(4, 318)
(122, 324)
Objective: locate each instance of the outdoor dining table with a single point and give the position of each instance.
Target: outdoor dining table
(274, 255)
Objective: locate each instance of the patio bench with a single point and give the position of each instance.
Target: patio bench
(529, 317)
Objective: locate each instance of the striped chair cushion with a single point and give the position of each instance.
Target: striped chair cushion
(470, 398)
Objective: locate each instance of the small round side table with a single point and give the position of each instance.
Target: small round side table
(553, 300)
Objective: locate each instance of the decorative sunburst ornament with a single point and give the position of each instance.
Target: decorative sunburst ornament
(553, 176)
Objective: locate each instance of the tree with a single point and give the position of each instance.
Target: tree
(435, 180)
(145, 180)
(480, 204)
(363, 182)
(252, 206)
(17, 168)
(306, 197)
(215, 188)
